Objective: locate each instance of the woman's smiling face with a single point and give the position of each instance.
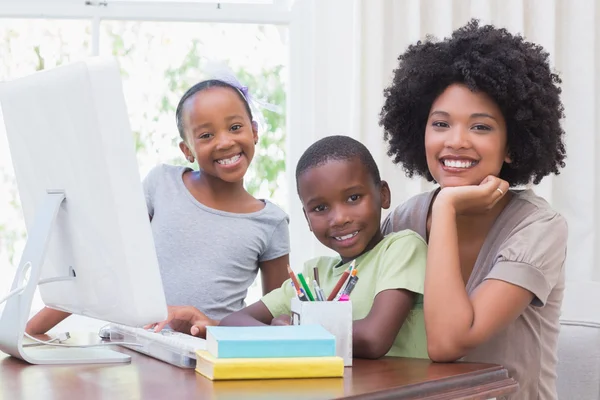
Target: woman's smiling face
(465, 137)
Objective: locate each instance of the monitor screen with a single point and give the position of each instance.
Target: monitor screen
(68, 131)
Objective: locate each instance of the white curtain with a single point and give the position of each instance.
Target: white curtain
(343, 53)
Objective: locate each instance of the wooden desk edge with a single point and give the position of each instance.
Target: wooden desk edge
(472, 386)
(493, 381)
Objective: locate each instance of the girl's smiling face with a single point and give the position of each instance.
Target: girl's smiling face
(465, 137)
(219, 133)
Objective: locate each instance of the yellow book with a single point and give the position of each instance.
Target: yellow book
(268, 368)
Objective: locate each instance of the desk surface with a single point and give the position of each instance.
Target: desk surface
(147, 378)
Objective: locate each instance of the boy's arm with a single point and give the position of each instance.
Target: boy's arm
(374, 335)
(44, 320)
(253, 315)
(273, 304)
(273, 273)
(400, 278)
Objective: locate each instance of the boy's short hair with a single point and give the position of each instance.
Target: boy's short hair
(336, 148)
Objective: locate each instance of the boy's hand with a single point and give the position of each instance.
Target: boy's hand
(186, 319)
(282, 320)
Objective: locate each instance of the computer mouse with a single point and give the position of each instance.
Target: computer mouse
(104, 332)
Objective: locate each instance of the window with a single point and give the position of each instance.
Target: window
(197, 1)
(163, 42)
(172, 55)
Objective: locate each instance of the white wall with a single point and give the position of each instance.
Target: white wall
(342, 60)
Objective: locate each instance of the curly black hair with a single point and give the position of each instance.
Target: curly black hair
(513, 72)
(336, 148)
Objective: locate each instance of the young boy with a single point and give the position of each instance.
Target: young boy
(342, 195)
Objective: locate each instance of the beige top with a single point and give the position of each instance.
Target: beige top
(526, 247)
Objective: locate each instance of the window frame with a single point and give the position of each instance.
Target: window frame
(277, 13)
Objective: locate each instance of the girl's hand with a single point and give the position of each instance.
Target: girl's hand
(186, 319)
(473, 199)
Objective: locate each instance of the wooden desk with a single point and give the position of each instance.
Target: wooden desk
(147, 378)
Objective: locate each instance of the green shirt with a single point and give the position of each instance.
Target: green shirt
(397, 262)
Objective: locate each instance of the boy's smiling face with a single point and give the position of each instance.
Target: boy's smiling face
(342, 204)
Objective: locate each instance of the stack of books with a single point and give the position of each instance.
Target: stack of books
(269, 352)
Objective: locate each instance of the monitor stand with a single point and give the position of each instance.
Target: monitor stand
(16, 312)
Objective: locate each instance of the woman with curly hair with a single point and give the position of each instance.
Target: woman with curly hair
(479, 113)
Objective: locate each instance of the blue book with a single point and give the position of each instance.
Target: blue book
(269, 341)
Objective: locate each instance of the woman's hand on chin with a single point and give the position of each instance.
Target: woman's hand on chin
(472, 199)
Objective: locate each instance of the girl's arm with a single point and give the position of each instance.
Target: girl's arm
(456, 323)
(274, 273)
(186, 319)
(44, 320)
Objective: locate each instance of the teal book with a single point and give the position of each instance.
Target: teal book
(269, 341)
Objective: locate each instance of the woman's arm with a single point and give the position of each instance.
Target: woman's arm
(44, 320)
(274, 273)
(454, 322)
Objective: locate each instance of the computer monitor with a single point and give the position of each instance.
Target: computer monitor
(89, 244)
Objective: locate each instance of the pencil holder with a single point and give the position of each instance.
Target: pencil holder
(335, 316)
